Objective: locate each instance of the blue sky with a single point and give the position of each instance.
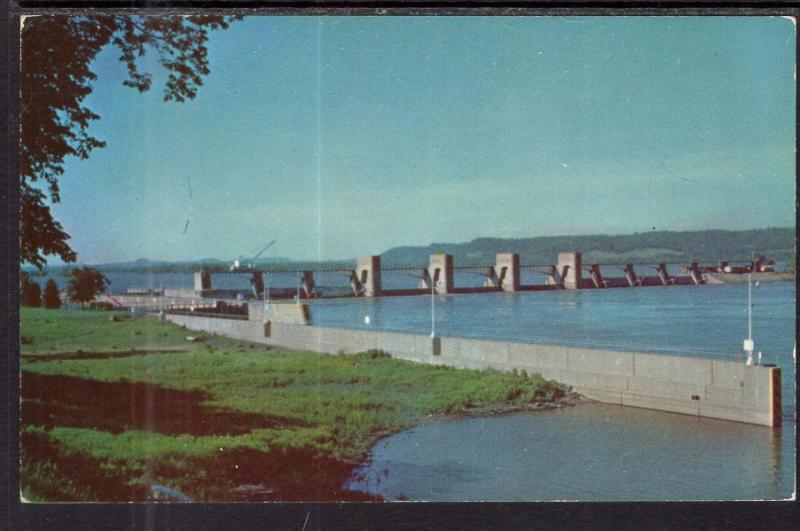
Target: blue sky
(345, 136)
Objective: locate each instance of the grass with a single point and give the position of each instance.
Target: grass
(45, 331)
(224, 418)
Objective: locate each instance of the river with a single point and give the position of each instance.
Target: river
(590, 452)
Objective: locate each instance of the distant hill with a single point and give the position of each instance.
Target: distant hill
(648, 247)
(143, 265)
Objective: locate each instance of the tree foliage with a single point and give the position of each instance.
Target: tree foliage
(30, 292)
(51, 298)
(56, 77)
(85, 283)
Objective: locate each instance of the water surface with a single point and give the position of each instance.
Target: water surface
(590, 452)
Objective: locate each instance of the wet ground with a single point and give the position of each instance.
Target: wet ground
(237, 475)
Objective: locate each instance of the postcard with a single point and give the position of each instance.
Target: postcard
(406, 258)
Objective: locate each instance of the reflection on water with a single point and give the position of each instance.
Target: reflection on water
(590, 452)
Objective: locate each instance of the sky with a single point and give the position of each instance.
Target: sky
(341, 137)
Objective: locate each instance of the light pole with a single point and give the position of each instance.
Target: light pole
(298, 287)
(433, 308)
(266, 292)
(264, 295)
(748, 343)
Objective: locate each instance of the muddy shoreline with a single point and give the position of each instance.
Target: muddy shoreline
(237, 475)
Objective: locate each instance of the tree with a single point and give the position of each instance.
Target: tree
(30, 291)
(56, 53)
(85, 283)
(51, 298)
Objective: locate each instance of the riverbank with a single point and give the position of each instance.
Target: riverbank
(111, 408)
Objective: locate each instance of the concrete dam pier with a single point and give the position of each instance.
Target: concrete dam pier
(438, 276)
(713, 388)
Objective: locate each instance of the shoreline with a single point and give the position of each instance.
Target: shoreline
(90, 435)
(568, 399)
(299, 475)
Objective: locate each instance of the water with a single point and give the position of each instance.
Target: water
(592, 451)
(688, 320)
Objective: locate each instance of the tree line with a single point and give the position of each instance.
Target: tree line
(83, 285)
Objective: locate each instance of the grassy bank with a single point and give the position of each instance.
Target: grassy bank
(111, 407)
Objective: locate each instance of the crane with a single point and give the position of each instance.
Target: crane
(237, 264)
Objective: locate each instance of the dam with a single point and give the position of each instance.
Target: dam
(439, 276)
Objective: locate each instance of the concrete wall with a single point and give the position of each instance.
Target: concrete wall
(202, 280)
(507, 270)
(440, 270)
(279, 312)
(368, 270)
(694, 386)
(574, 269)
(257, 284)
(180, 293)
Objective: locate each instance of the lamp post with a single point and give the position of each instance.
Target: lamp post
(748, 343)
(433, 308)
(298, 287)
(265, 295)
(266, 291)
